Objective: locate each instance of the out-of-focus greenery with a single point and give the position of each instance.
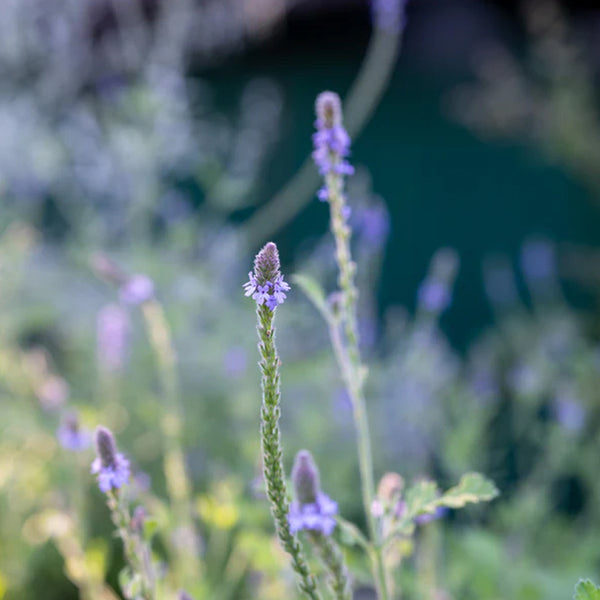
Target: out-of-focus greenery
(113, 162)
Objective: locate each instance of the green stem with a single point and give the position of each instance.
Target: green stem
(273, 453)
(136, 553)
(178, 483)
(353, 371)
(331, 555)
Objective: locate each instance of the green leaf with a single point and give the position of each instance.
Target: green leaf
(586, 590)
(313, 291)
(472, 487)
(421, 498)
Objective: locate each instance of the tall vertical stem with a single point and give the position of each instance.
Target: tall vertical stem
(273, 453)
(178, 484)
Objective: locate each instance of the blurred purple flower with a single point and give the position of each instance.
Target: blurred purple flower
(235, 361)
(372, 224)
(538, 259)
(137, 290)
(331, 141)
(440, 512)
(569, 413)
(70, 435)
(112, 337)
(434, 296)
(389, 15)
(110, 466)
(315, 516)
(312, 509)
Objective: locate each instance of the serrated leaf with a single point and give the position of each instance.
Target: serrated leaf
(313, 291)
(586, 590)
(421, 497)
(471, 488)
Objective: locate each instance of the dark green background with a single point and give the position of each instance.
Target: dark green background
(444, 186)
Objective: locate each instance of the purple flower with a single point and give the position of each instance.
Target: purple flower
(262, 294)
(70, 435)
(315, 516)
(434, 296)
(251, 285)
(112, 337)
(137, 290)
(440, 512)
(266, 284)
(389, 15)
(372, 223)
(110, 466)
(312, 509)
(569, 412)
(331, 141)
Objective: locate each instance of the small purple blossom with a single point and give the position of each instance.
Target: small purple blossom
(70, 435)
(440, 512)
(331, 141)
(569, 412)
(316, 516)
(111, 467)
(262, 294)
(312, 509)
(538, 260)
(266, 284)
(372, 224)
(434, 296)
(137, 290)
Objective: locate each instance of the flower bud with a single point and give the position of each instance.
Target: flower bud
(328, 107)
(390, 487)
(106, 447)
(267, 265)
(305, 478)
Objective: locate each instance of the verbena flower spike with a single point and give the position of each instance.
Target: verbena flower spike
(70, 434)
(262, 286)
(112, 469)
(314, 511)
(330, 156)
(110, 466)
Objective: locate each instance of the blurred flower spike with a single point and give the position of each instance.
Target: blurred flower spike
(111, 467)
(331, 141)
(70, 434)
(312, 509)
(266, 284)
(137, 290)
